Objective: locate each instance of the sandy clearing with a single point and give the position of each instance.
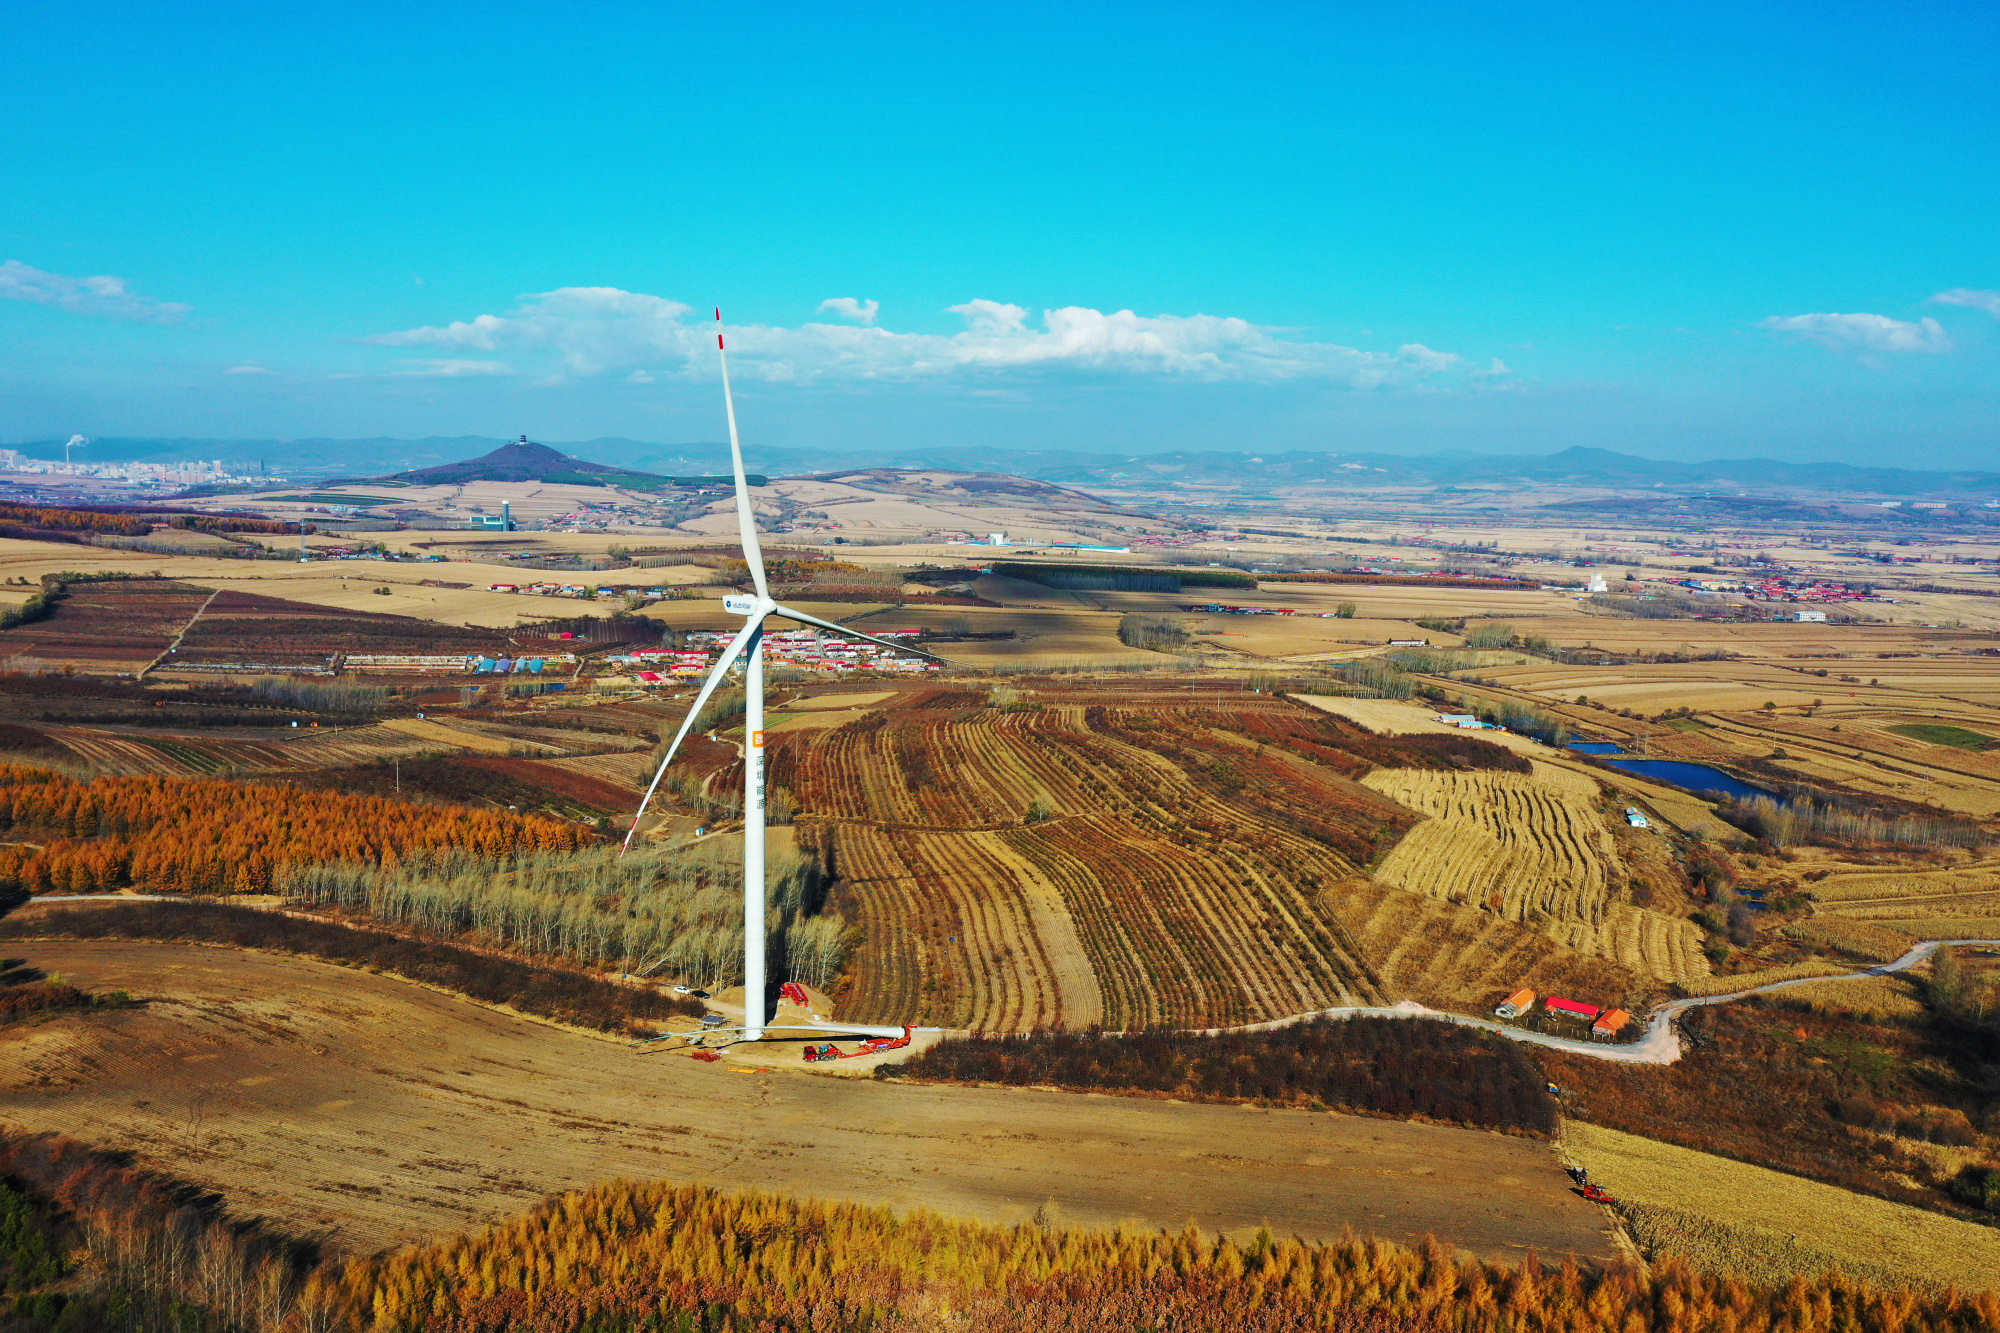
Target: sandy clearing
(342, 1103)
(1865, 1232)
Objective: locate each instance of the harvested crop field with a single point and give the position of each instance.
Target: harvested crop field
(1955, 902)
(1773, 1224)
(375, 1112)
(1134, 864)
(1536, 849)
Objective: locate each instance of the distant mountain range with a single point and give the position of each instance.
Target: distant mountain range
(1578, 467)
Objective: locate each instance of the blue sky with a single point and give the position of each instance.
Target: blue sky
(1716, 231)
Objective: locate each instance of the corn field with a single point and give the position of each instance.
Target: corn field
(672, 914)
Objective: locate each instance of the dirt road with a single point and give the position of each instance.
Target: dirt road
(374, 1112)
(1661, 1044)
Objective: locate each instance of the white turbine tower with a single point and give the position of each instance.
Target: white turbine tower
(749, 646)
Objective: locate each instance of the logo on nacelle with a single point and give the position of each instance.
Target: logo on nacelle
(737, 605)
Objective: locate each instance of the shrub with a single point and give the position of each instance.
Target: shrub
(1382, 1066)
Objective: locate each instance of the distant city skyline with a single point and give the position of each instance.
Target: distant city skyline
(1710, 233)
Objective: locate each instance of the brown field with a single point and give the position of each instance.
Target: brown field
(136, 753)
(372, 1112)
(111, 628)
(1776, 1224)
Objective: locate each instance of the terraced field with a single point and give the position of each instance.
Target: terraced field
(1920, 902)
(1135, 865)
(1534, 849)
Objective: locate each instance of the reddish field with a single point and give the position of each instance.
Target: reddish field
(113, 627)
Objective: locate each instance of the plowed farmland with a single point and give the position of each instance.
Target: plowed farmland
(130, 754)
(1136, 865)
(249, 631)
(113, 628)
(1534, 849)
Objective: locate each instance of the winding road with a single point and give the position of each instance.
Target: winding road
(1662, 1043)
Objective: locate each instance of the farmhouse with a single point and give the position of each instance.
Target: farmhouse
(1610, 1025)
(1516, 1004)
(1555, 1004)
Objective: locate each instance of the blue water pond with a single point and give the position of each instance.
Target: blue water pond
(1595, 747)
(1694, 777)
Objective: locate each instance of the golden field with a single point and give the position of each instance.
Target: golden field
(1728, 1216)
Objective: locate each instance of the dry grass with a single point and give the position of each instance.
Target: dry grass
(1946, 927)
(1864, 939)
(1815, 967)
(440, 734)
(1728, 1216)
(1873, 999)
(1535, 849)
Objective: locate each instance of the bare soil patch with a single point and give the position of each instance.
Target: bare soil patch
(333, 1101)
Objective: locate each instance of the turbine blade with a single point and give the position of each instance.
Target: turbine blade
(729, 656)
(837, 628)
(746, 516)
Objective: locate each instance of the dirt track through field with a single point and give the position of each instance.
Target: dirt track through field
(340, 1103)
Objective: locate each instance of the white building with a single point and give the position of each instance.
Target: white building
(1815, 617)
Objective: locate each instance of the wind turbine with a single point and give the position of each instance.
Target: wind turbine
(749, 646)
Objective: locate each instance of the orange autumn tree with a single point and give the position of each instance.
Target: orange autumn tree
(206, 835)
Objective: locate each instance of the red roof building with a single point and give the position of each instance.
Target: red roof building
(1556, 1004)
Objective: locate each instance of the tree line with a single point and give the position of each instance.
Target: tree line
(671, 913)
(94, 1242)
(1378, 1066)
(196, 835)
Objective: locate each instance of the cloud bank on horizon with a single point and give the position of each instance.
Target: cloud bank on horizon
(589, 331)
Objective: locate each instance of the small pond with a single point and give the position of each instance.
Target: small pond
(1595, 747)
(1694, 777)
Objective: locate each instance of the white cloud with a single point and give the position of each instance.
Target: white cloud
(1969, 296)
(248, 370)
(102, 296)
(991, 317)
(450, 369)
(1865, 334)
(437, 368)
(596, 330)
(860, 312)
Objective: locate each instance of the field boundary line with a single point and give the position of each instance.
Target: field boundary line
(168, 650)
